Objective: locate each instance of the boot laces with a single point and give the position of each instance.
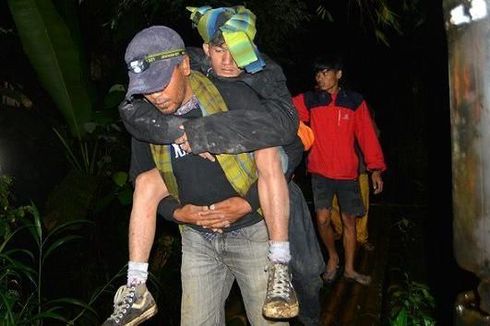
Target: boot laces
(123, 300)
(280, 286)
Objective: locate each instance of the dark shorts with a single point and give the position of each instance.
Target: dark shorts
(348, 194)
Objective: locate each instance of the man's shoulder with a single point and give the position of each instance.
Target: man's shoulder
(316, 98)
(350, 93)
(198, 59)
(349, 99)
(272, 72)
(272, 66)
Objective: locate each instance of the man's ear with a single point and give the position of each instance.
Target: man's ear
(205, 47)
(186, 66)
(339, 74)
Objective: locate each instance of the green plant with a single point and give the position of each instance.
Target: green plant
(9, 215)
(95, 179)
(377, 14)
(408, 302)
(91, 154)
(412, 303)
(22, 297)
(55, 54)
(274, 29)
(405, 228)
(12, 95)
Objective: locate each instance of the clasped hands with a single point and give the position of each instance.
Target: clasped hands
(215, 217)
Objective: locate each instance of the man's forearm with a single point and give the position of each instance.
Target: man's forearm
(240, 131)
(229, 132)
(145, 123)
(167, 208)
(252, 196)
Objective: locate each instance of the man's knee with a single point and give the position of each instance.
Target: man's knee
(150, 184)
(323, 216)
(349, 221)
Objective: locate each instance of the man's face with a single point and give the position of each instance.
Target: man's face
(221, 60)
(177, 92)
(328, 80)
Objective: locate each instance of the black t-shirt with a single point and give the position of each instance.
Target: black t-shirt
(200, 181)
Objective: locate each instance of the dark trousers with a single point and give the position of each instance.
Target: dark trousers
(307, 262)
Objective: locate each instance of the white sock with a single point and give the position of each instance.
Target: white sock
(137, 273)
(279, 252)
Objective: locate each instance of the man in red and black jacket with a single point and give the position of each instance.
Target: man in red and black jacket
(339, 118)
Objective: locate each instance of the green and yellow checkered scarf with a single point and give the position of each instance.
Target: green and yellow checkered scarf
(237, 24)
(240, 170)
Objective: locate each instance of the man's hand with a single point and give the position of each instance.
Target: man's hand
(190, 214)
(208, 156)
(377, 182)
(222, 214)
(184, 144)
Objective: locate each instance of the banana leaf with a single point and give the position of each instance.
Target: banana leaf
(55, 56)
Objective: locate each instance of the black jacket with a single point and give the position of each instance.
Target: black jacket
(275, 124)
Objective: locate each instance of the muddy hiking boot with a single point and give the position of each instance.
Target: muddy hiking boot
(280, 301)
(132, 306)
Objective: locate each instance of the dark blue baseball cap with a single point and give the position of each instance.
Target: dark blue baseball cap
(151, 58)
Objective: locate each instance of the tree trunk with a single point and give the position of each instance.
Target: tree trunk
(468, 31)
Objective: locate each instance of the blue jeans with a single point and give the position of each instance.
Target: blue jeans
(209, 268)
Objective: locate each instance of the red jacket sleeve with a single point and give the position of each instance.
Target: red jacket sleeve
(368, 140)
(299, 104)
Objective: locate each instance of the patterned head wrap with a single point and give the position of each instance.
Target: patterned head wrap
(237, 25)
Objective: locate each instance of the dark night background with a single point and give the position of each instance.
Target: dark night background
(405, 82)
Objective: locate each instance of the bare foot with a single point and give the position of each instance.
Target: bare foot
(359, 278)
(332, 271)
(330, 276)
(368, 246)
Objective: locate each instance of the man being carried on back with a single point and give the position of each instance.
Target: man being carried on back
(252, 132)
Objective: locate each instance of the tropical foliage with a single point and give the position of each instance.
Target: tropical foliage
(412, 303)
(408, 302)
(23, 300)
(56, 57)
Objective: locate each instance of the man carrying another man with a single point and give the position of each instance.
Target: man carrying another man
(213, 188)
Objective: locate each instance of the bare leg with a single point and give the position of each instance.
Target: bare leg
(362, 222)
(281, 300)
(349, 242)
(273, 193)
(149, 191)
(328, 239)
(336, 219)
(350, 246)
